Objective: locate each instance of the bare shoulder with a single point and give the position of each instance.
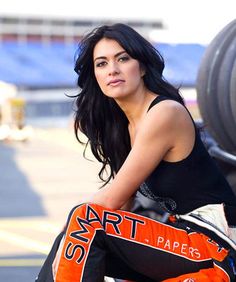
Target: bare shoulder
(168, 126)
(168, 112)
(168, 106)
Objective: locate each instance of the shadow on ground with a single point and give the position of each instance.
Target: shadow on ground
(17, 198)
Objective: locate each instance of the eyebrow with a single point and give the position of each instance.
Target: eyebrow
(104, 57)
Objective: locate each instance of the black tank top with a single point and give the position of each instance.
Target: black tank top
(182, 186)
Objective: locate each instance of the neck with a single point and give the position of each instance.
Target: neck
(136, 107)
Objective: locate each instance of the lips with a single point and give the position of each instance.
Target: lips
(115, 82)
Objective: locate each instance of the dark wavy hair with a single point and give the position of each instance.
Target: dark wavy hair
(98, 116)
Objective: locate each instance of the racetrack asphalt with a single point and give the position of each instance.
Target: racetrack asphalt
(40, 181)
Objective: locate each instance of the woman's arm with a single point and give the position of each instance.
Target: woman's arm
(128, 205)
(162, 132)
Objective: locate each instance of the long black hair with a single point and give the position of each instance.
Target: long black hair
(98, 116)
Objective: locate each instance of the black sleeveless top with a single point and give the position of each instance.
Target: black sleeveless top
(182, 186)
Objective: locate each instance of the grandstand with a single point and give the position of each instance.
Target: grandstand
(37, 56)
(38, 53)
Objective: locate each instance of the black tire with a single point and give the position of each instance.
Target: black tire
(203, 75)
(223, 92)
(207, 85)
(233, 91)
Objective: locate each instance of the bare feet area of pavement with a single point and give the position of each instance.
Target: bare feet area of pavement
(40, 181)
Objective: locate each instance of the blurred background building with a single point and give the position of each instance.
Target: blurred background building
(38, 42)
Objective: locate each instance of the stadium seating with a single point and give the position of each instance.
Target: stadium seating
(38, 65)
(181, 62)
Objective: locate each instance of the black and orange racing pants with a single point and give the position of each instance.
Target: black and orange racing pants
(124, 245)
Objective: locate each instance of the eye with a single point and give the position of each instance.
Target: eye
(100, 64)
(123, 58)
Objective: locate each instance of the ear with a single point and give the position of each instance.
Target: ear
(142, 70)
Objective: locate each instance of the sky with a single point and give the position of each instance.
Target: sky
(184, 20)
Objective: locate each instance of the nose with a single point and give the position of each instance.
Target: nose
(113, 68)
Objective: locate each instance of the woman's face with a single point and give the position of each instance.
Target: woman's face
(117, 74)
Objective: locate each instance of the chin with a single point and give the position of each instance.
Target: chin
(117, 96)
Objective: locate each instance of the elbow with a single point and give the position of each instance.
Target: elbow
(112, 204)
(107, 202)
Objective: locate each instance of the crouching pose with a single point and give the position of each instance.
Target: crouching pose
(140, 130)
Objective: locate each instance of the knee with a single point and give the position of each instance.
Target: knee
(85, 214)
(86, 211)
(77, 209)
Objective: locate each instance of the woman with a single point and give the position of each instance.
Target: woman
(139, 129)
